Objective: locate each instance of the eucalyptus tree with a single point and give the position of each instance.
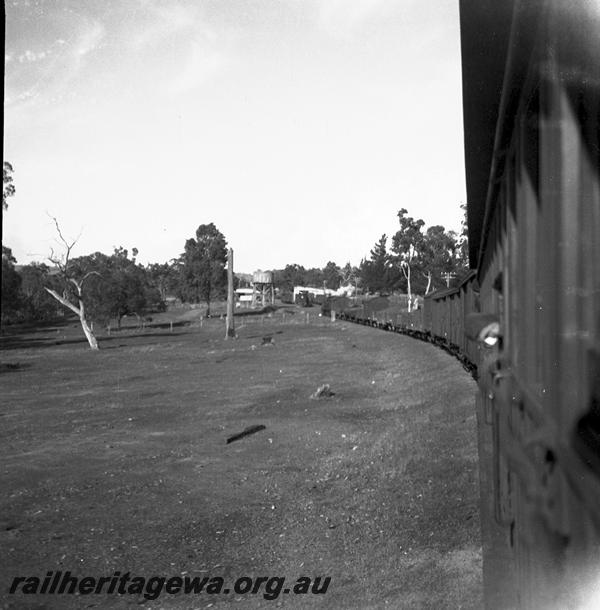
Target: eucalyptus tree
(203, 276)
(407, 244)
(73, 284)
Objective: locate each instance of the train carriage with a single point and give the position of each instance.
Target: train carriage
(531, 99)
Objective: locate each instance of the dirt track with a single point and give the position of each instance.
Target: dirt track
(118, 461)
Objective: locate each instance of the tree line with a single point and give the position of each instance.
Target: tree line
(102, 287)
(419, 260)
(110, 287)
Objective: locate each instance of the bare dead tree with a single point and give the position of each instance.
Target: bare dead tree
(62, 262)
(349, 277)
(429, 277)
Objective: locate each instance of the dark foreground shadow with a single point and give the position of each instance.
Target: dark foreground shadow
(24, 342)
(244, 313)
(12, 367)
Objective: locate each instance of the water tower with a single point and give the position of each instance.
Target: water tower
(262, 287)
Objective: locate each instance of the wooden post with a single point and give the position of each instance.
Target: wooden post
(171, 326)
(230, 331)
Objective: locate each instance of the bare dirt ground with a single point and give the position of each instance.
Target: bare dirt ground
(118, 461)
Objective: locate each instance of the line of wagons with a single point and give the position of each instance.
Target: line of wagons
(442, 320)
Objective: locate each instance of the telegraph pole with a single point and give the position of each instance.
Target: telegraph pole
(230, 331)
(448, 276)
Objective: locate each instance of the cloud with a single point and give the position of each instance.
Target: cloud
(89, 39)
(47, 75)
(24, 96)
(341, 18)
(201, 64)
(187, 50)
(71, 58)
(159, 22)
(31, 56)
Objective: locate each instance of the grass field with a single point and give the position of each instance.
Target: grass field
(118, 461)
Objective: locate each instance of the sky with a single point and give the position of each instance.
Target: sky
(298, 127)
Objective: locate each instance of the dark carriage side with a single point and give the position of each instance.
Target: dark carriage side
(531, 91)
